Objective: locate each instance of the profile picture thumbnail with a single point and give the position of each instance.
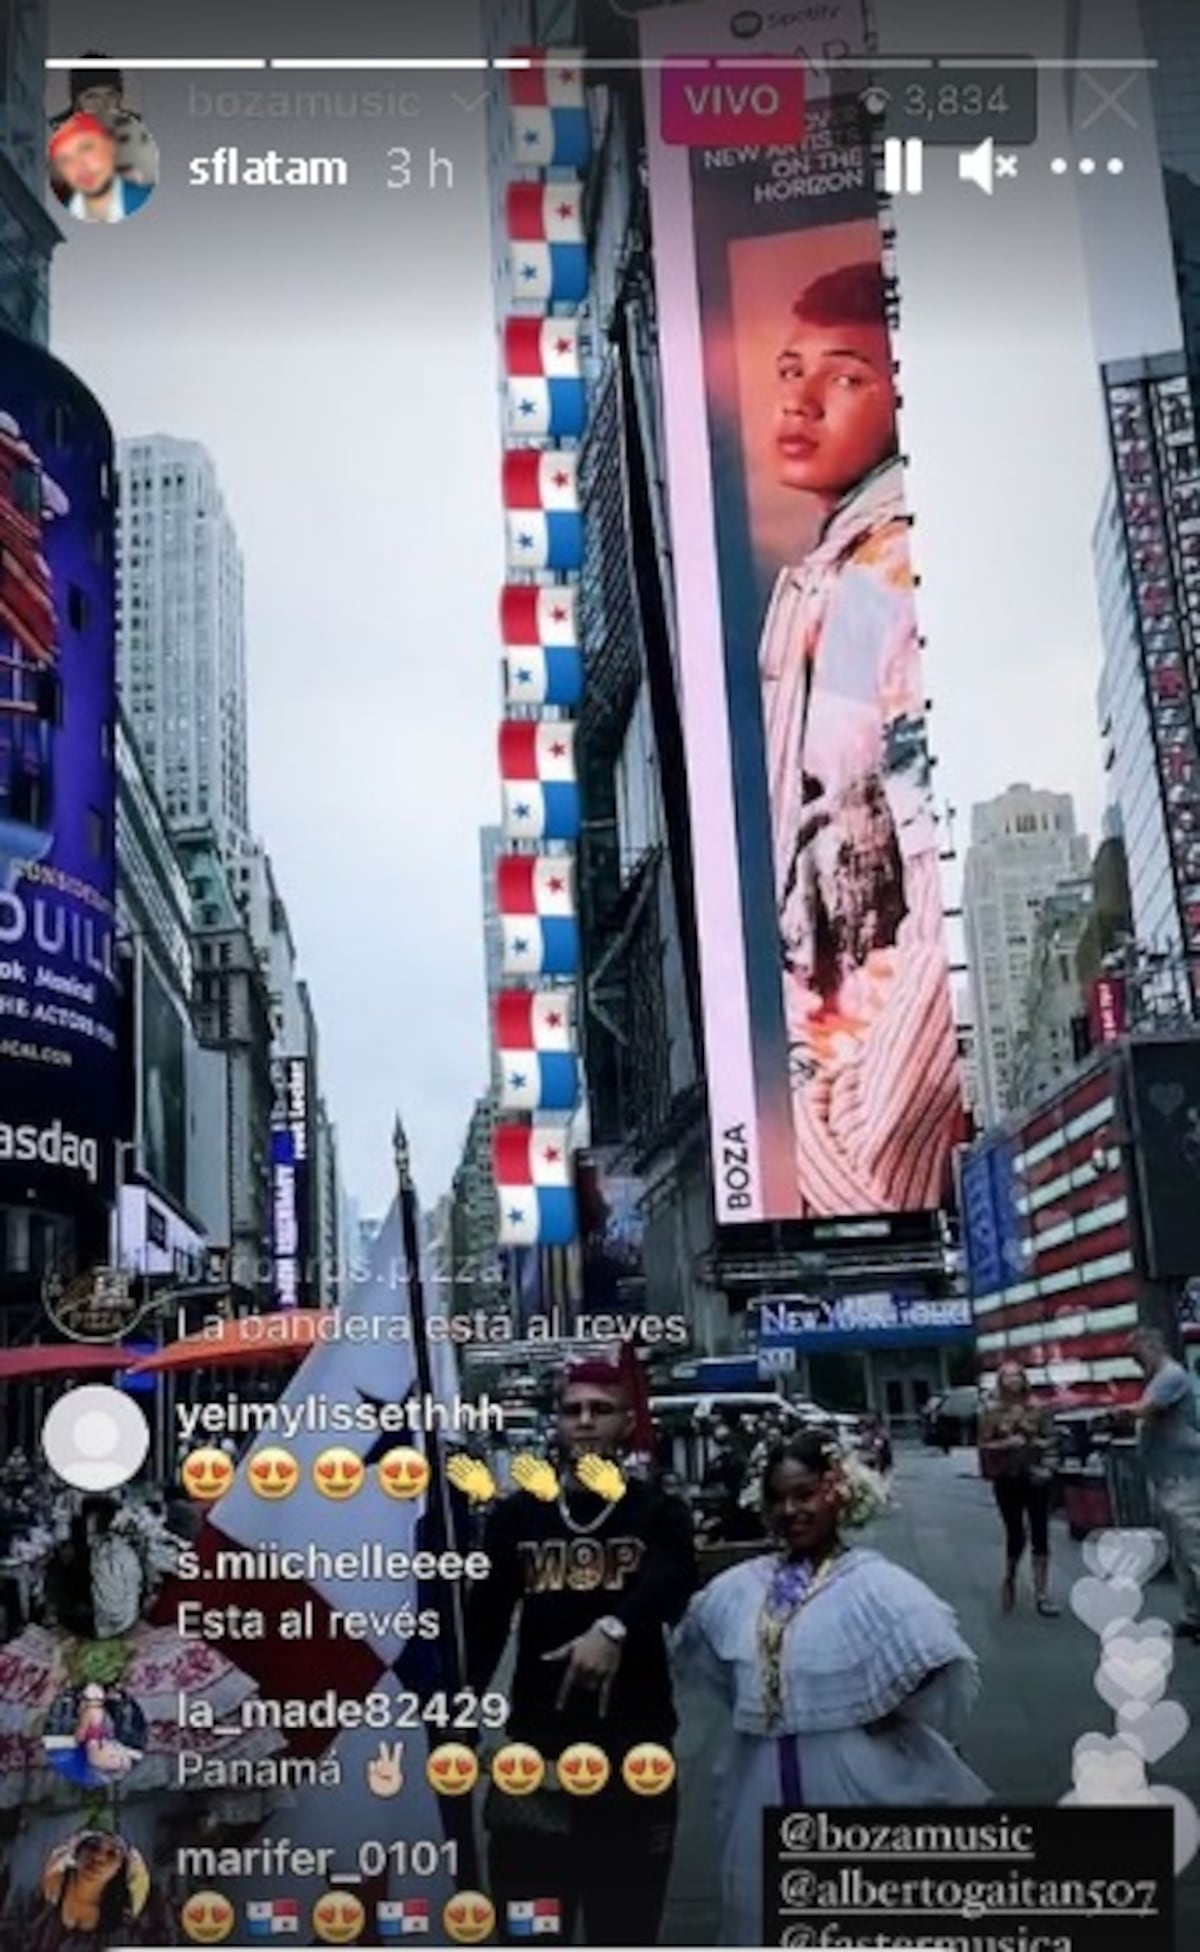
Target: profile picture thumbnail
(102, 159)
(94, 1736)
(95, 1884)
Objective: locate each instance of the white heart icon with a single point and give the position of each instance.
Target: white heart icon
(1100, 1603)
(1126, 1554)
(1154, 1729)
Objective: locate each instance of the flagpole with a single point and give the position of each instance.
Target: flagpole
(437, 1503)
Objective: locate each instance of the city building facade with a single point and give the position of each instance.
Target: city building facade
(1023, 845)
(181, 634)
(235, 1088)
(154, 920)
(28, 234)
(638, 993)
(1078, 1221)
(470, 1261)
(1051, 1034)
(1148, 573)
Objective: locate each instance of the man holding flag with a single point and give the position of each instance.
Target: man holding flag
(599, 1579)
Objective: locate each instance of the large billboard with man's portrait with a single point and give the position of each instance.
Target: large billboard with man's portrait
(831, 1056)
(59, 1090)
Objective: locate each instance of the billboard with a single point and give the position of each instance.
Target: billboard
(832, 1068)
(291, 1242)
(1165, 1092)
(60, 1099)
(863, 1321)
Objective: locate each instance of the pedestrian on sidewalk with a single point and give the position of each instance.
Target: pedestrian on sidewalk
(843, 1674)
(1016, 1450)
(598, 1581)
(1169, 1447)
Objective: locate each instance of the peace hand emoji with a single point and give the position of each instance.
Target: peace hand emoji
(471, 1476)
(602, 1476)
(535, 1475)
(385, 1771)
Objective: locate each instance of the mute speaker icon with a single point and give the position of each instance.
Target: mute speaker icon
(978, 166)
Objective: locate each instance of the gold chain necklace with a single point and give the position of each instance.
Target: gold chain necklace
(772, 1627)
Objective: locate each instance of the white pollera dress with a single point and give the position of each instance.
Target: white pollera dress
(858, 1650)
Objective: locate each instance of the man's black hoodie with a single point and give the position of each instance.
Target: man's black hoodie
(636, 1563)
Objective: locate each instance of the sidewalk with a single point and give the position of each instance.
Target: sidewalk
(1038, 1696)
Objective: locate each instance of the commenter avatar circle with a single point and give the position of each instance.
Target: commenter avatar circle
(95, 1438)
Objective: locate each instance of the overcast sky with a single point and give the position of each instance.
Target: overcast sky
(335, 354)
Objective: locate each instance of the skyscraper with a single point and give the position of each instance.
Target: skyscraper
(1024, 845)
(1171, 29)
(181, 638)
(28, 234)
(1142, 250)
(491, 846)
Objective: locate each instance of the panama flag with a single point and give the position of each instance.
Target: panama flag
(553, 78)
(542, 410)
(541, 496)
(535, 897)
(402, 1917)
(543, 677)
(273, 1917)
(551, 138)
(545, 213)
(534, 1917)
(537, 771)
(545, 478)
(535, 1044)
(548, 246)
(542, 349)
(368, 1363)
(532, 1168)
(548, 109)
(542, 663)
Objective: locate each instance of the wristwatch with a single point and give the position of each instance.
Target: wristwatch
(612, 1628)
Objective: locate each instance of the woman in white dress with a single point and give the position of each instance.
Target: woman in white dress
(844, 1675)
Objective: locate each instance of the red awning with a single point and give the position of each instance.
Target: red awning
(60, 1359)
(250, 1342)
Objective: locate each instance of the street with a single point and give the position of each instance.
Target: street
(1037, 1697)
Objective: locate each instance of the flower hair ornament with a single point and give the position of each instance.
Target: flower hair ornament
(861, 1493)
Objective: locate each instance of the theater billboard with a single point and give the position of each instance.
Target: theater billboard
(831, 1056)
(59, 1089)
